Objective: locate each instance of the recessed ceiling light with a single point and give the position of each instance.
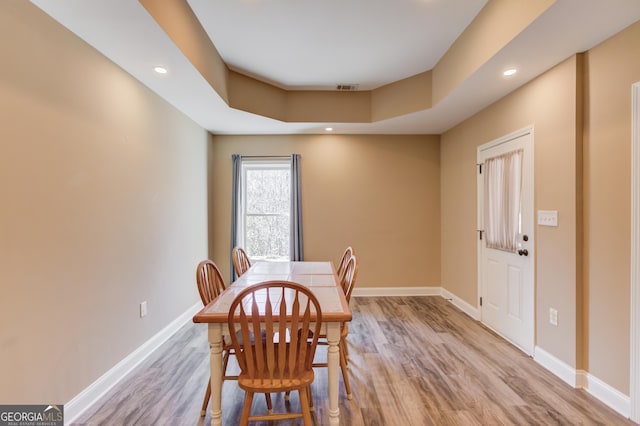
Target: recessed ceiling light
(160, 70)
(328, 129)
(510, 71)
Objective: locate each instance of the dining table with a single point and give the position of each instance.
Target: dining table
(321, 278)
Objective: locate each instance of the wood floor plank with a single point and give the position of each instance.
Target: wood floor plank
(413, 361)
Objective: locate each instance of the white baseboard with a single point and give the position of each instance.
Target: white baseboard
(395, 291)
(465, 307)
(81, 402)
(607, 394)
(558, 367)
(613, 398)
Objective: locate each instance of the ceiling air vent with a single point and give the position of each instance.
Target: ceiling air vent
(347, 87)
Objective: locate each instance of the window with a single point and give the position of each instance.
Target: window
(265, 223)
(266, 207)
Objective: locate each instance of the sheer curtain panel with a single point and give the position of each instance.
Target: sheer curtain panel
(502, 195)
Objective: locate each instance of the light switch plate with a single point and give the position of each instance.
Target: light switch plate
(548, 217)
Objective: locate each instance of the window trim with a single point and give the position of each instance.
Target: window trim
(261, 164)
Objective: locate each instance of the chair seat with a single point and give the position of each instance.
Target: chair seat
(275, 385)
(226, 340)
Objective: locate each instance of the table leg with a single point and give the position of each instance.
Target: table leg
(333, 362)
(215, 345)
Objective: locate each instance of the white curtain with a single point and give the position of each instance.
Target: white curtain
(502, 197)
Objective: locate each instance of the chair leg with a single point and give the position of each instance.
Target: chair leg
(207, 395)
(225, 362)
(287, 396)
(344, 351)
(345, 347)
(304, 405)
(310, 397)
(246, 410)
(345, 375)
(267, 397)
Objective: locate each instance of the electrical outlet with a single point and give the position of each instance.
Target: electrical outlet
(553, 316)
(143, 309)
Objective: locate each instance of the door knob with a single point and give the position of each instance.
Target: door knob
(524, 252)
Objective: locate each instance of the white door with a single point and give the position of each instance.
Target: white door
(506, 281)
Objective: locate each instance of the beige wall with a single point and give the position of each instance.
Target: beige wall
(612, 68)
(103, 194)
(377, 193)
(587, 281)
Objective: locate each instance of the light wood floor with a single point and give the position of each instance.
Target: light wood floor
(414, 361)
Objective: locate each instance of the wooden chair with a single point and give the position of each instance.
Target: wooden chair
(348, 278)
(210, 281)
(347, 282)
(275, 314)
(344, 259)
(210, 285)
(241, 262)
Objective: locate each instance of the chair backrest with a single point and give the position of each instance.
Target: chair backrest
(241, 262)
(275, 316)
(348, 252)
(348, 279)
(210, 282)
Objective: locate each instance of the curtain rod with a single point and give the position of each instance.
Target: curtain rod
(265, 156)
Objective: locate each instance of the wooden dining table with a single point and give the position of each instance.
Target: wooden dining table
(321, 279)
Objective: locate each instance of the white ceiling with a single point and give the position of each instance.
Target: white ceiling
(316, 45)
(304, 44)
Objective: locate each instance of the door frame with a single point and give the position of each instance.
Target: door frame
(634, 342)
(480, 223)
